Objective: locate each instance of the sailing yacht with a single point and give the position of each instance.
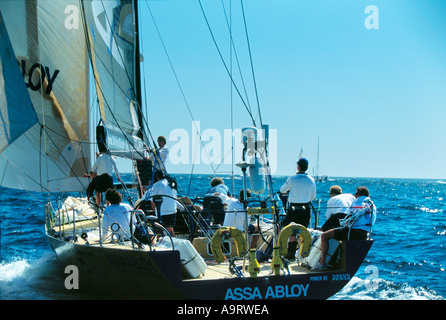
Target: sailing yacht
(50, 53)
(318, 178)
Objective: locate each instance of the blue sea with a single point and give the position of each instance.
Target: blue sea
(408, 257)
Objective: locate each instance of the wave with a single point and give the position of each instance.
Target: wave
(381, 289)
(32, 279)
(12, 270)
(410, 212)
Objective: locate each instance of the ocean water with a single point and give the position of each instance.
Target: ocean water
(406, 262)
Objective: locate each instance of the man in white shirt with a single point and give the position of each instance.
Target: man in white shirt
(337, 207)
(235, 211)
(159, 157)
(102, 174)
(164, 202)
(302, 190)
(235, 214)
(356, 230)
(116, 216)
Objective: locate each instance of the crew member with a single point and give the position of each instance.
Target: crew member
(302, 190)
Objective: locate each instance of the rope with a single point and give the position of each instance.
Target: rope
(252, 65)
(179, 84)
(225, 65)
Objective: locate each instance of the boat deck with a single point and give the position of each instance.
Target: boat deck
(80, 226)
(221, 271)
(211, 270)
(214, 270)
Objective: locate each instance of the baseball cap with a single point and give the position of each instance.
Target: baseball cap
(303, 162)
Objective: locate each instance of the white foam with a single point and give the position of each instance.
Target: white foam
(360, 289)
(24, 279)
(12, 270)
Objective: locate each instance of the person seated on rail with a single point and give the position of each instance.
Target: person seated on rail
(338, 207)
(363, 214)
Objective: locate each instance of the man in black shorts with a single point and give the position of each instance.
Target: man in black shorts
(302, 190)
(102, 175)
(357, 231)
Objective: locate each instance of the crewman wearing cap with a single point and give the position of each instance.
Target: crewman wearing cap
(302, 190)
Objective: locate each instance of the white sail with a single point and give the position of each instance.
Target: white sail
(48, 40)
(16, 109)
(112, 45)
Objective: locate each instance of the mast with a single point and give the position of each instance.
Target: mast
(138, 71)
(317, 159)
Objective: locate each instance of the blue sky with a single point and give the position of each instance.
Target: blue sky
(376, 98)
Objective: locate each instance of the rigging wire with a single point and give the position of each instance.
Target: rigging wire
(268, 168)
(178, 83)
(225, 65)
(232, 100)
(233, 48)
(229, 72)
(252, 65)
(268, 173)
(269, 178)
